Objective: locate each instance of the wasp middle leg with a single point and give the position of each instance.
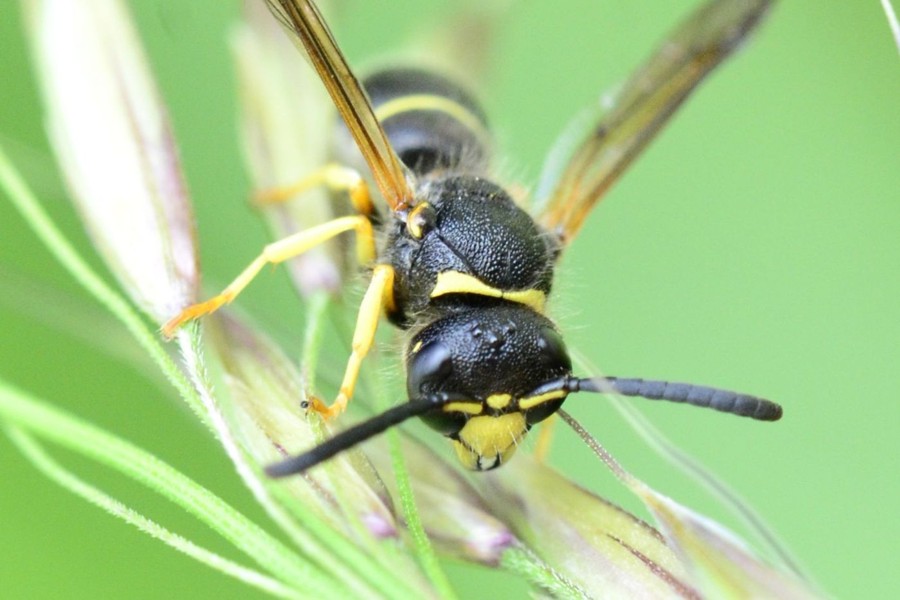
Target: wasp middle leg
(278, 252)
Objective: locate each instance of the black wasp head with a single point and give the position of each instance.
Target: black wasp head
(487, 361)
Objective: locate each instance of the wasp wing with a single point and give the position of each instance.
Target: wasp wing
(644, 106)
(303, 19)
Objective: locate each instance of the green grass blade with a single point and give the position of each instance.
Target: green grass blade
(316, 306)
(60, 247)
(65, 253)
(685, 463)
(53, 424)
(346, 557)
(422, 545)
(521, 561)
(716, 487)
(54, 471)
(323, 547)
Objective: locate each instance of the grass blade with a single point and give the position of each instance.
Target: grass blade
(68, 431)
(61, 249)
(29, 447)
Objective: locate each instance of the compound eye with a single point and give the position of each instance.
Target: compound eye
(445, 423)
(428, 368)
(421, 220)
(553, 349)
(538, 413)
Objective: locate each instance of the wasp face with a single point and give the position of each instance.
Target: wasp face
(488, 361)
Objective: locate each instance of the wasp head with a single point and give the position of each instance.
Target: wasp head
(487, 361)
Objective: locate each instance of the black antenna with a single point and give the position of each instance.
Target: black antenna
(742, 405)
(735, 403)
(356, 434)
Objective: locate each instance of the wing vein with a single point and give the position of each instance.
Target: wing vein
(644, 106)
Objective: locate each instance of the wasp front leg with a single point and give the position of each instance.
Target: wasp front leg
(379, 298)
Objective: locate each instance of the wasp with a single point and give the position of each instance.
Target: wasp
(461, 265)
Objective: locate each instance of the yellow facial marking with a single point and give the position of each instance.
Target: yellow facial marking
(471, 408)
(454, 282)
(498, 401)
(528, 403)
(487, 442)
(417, 347)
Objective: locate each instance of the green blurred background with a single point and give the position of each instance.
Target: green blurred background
(755, 246)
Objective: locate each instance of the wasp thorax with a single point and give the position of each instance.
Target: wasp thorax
(472, 228)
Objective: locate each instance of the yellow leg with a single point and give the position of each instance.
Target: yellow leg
(379, 296)
(278, 252)
(544, 438)
(334, 176)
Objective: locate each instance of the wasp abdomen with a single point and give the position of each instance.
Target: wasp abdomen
(432, 122)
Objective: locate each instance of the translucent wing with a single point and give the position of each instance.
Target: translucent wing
(644, 106)
(303, 19)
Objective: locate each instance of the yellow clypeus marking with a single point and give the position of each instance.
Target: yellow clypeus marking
(486, 442)
(454, 282)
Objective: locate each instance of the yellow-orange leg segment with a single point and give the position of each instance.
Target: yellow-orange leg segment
(544, 438)
(378, 298)
(335, 177)
(278, 252)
